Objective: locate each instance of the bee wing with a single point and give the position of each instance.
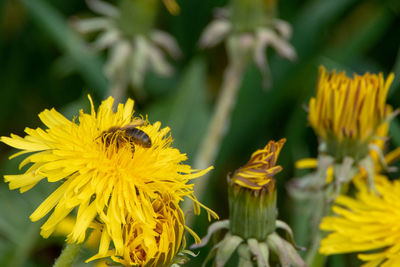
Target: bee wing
(135, 123)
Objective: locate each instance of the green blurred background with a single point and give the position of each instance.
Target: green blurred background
(45, 64)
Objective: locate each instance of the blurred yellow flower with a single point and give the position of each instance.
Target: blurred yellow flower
(110, 177)
(349, 108)
(260, 169)
(368, 222)
(351, 117)
(347, 112)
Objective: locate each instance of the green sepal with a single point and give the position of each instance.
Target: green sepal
(288, 233)
(244, 256)
(261, 253)
(287, 254)
(264, 249)
(213, 228)
(228, 245)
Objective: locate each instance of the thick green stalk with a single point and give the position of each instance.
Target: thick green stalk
(221, 118)
(313, 258)
(217, 128)
(68, 255)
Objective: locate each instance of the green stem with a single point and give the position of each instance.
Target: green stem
(313, 258)
(220, 120)
(68, 255)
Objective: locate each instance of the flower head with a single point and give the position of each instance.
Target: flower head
(352, 119)
(347, 111)
(369, 222)
(115, 180)
(145, 247)
(260, 169)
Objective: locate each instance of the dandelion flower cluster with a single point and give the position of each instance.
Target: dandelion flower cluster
(132, 194)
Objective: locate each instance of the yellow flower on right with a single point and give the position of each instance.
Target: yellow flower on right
(368, 222)
(346, 112)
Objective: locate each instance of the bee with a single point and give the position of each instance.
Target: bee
(127, 134)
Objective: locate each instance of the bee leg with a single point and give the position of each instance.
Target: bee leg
(106, 139)
(133, 149)
(117, 142)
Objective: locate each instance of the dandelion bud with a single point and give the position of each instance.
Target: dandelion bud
(253, 216)
(252, 194)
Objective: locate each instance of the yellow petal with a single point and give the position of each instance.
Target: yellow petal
(306, 163)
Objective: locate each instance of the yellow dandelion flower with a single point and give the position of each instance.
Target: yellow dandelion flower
(260, 169)
(150, 248)
(108, 173)
(369, 222)
(347, 111)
